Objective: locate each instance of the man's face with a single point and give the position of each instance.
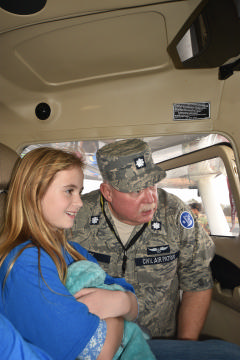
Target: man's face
(132, 208)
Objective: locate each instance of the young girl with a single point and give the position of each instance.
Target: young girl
(43, 199)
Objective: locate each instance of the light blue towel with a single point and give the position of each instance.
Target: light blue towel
(86, 274)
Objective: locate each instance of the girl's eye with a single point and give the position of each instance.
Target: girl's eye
(69, 191)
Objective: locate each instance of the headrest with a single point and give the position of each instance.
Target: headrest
(8, 158)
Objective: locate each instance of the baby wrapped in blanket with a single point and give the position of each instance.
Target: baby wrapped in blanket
(87, 274)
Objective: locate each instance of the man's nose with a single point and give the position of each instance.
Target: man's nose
(148, 195)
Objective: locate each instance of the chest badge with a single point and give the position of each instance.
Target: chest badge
(162, 249)
(94, 220)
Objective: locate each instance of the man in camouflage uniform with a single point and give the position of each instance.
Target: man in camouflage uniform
(151, 238)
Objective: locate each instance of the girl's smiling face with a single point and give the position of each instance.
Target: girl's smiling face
(62, 199)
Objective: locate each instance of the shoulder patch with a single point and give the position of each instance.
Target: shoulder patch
(186, 220)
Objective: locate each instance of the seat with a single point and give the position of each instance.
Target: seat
(8, 158)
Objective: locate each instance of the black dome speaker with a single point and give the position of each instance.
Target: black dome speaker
(23, 7)
(43, 111)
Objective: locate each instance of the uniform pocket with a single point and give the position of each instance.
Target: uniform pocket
(154, 269)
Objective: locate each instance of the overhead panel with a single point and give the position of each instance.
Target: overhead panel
(105, 46)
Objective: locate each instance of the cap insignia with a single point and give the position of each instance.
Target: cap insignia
(140, 162)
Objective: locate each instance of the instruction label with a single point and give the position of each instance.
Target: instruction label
(191, 111)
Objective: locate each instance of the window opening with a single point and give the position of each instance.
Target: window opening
(205, 188)
(195, 183)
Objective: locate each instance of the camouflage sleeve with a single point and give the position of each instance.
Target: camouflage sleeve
(197, 251)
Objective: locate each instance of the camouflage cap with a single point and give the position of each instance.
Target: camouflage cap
(128, 165)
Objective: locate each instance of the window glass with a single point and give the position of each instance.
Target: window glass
(204, 186)
(163, 148)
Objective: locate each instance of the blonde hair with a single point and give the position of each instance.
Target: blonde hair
(24, 219)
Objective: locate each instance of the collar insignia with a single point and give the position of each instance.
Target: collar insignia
(156, 225)
(94, 220)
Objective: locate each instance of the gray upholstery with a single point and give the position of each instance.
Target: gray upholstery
(8, 158)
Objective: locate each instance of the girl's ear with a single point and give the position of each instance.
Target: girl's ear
(106, 191)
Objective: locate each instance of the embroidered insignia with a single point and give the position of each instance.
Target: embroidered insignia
(158, 249)
(154, 260)
(140, 162)
(156, 225)
(95, 220)
(186, 220)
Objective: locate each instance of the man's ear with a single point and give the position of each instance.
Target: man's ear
(106, 191)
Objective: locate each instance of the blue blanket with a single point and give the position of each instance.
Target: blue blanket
(86, 274)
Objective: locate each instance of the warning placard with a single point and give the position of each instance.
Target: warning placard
(191, 111)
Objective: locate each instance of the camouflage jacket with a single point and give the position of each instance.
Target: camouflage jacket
(173, 253)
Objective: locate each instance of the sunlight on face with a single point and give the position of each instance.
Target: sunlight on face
(62, 199)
